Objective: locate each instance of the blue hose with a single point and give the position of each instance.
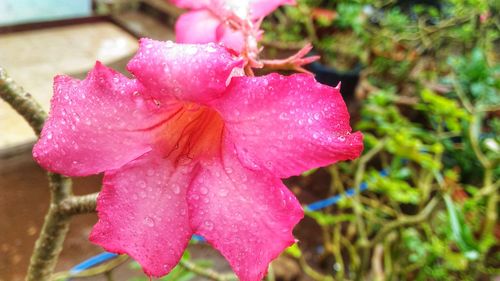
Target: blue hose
(318, 205)
(93, 261)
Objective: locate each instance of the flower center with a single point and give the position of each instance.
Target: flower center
(192, 132)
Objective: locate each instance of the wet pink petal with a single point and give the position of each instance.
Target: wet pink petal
(197, 73)
(257, 8)
(208, 20)
(248, 216)
(232, 39)
(143, 212)
(262, 8)
(93, 124)
(191, 4)
(288, 125)
(196, 27)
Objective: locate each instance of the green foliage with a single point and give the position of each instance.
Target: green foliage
(476, 78)
(328, 219)
(395, 189)
(429, 117)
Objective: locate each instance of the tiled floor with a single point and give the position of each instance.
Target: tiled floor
(33, 58)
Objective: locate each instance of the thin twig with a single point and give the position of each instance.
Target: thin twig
(207, 272)
(408, 220)
(358, 206)
(311, 272)
(103, 268)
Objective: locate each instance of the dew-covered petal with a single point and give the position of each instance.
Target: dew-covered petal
(196, 73)
(96, 124)
(262, 8)
(202, 26)
(196, 27)
(288, 124)
(254, 8)
(143, 212)
(191, 4)
(248, 216)
(232, 39)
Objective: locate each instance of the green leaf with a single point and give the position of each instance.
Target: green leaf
(460, 231)
(294, 251)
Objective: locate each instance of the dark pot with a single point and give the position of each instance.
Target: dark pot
(408, 5)
(331, 76)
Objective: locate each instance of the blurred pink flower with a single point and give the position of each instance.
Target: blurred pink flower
(187, 147)
(210, 20)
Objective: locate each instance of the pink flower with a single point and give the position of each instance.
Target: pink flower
(209, 20)
(187, 147)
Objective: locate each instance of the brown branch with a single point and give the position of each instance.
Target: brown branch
(76, 205)
(22, 102)
(56, 224)
(50, 242)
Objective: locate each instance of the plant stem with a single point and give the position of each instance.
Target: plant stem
(358, 206)
(50, 242)
(206, 272)
(491, 207)
(22, 102)
(474, 132)
(407, 220)
(75, 205)
(308, 270)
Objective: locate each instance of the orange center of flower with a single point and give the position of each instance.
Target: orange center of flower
(193, 131)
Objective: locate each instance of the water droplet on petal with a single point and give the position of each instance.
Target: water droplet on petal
(209, 225)
(211, 48)
(192, 50)
(283, 116)
(203, 190)
(149, 221)
(223, 192)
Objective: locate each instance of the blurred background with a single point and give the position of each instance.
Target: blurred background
(421, 80)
